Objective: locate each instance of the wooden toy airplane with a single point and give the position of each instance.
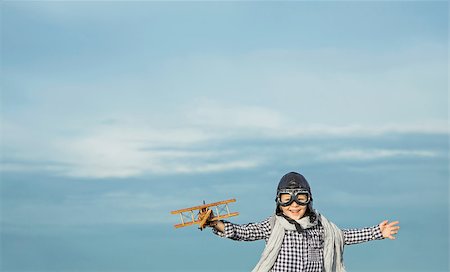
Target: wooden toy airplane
(205, 214)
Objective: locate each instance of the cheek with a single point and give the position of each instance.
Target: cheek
(284, 209)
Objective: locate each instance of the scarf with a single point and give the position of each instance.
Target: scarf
(333, 243)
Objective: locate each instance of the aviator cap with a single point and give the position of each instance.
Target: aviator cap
(293, 180)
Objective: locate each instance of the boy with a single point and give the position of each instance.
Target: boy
(298, 238)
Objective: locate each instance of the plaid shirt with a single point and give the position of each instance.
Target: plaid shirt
(299, 251)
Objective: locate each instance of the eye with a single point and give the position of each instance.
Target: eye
(285, 198)
(302, 197)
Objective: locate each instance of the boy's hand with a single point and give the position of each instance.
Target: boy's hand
(389, 229)
(209, 222)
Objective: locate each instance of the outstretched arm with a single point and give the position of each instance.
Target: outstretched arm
(378, 232)
(246, 232)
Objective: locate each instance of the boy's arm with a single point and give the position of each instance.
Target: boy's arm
(356, 236)
(380, 231)
(247, 232)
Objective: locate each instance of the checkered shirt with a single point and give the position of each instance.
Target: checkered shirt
(299, 251)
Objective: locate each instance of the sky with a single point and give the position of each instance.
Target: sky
(114, 113)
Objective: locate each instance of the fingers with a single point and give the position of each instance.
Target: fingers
(385, 224)
(391, 237)
(392, 230)
(393, 223)
(395, 229)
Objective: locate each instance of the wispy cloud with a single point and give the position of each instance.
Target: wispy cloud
(384, 199)
(125, 151)
(201, 145)
(374, 154)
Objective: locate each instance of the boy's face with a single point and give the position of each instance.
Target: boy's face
(294, 211)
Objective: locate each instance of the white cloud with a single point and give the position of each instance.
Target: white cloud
(238, 120)
(373, 154)
(356, 131)
(122, 152)
(384, 199)
(123, 149)
(215, 167)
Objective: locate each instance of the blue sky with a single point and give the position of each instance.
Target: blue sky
(115, 113)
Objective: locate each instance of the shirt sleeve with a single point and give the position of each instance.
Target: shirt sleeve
(247, 232)
(356, 236)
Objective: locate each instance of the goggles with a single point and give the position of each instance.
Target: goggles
(300, 196)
